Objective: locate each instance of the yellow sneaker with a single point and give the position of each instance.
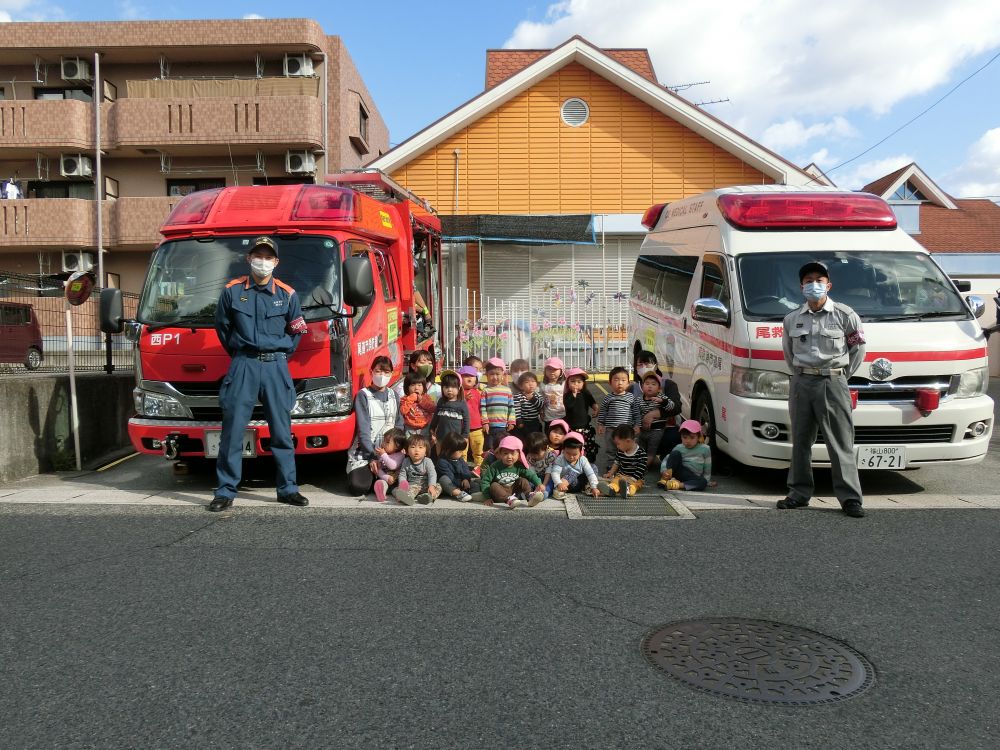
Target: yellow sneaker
(673, 484)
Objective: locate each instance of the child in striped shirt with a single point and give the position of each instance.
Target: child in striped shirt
(620, 407)
(498, 400)
(528, 404)
(689, 465)
(628, 472)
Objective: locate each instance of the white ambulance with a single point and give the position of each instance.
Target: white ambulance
(718, 273)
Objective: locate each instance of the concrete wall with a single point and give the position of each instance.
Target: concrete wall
(35, 421)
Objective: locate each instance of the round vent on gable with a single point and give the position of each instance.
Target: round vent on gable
(575, 112)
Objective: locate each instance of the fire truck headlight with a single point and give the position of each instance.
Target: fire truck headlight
(323, 401)
(752, 383)
(158, 405)
(972, 383)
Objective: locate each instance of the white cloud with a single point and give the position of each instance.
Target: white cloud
(131, 10)
(979, 174)
(252, 17)
(793, 134)
(29, 10)
(781, 59)
(857, 175)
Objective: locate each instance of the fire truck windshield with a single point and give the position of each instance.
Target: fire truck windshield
(186, 277)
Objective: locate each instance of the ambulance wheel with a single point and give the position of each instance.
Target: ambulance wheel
(33, 359)
(704, 412)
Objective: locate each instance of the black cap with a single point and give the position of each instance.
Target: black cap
(264, 241)
(813, 266)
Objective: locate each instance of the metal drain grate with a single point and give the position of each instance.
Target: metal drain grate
(637, 505)
(757, 661)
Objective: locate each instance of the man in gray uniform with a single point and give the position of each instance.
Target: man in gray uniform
(824, 344)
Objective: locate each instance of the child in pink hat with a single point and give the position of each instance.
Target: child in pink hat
(689, 465)
(509, 480)
(552, 390)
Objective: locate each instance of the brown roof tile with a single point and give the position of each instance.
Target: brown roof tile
(883, 183)
(973, 227)
(501, 64)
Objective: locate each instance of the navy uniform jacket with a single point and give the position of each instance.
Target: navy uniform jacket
(252, 319)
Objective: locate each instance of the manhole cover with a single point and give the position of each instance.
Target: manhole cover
(757, 661)
(637, 505)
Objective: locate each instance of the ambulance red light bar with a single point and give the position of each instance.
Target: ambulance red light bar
(193, 208)
(807, 211)
(325, 203)
(652, 215)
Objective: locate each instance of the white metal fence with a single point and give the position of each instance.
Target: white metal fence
(575, 324)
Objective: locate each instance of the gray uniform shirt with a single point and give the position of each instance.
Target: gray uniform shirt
(830, 337)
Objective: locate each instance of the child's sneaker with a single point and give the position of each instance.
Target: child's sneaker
(403, 496)
(559, 495)
(464, 497)
(424, 498)
(403, 484)
(535, 498)
(673, 484)
(604, 488)
(476, 472)
(381, 490)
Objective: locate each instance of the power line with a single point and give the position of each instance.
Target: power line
(921, 114)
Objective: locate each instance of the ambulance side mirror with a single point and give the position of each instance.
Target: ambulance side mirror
(710, 310)
(359, 283)
(976, 305)
(112, 311)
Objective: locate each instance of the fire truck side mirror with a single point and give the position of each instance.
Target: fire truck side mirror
(112, 312)
(359, 283)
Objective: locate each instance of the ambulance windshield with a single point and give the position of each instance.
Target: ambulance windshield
(186, 277)
(877, 285)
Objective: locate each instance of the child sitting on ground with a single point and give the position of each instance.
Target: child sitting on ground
(571, 471)
(416, 406)
(389, 457)
(689, 465)
(528, 404)
(628, 470)
(453, 472)
(417, 475)
(540, 458)
(509, 480)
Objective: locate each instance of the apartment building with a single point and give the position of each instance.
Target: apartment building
(175, 106)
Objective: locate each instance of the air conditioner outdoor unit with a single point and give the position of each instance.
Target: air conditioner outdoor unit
(74, 69)
(300, 162)
(73, 261)
(298, 65)
(75, 165)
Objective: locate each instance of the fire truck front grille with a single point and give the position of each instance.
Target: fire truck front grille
(197, 389)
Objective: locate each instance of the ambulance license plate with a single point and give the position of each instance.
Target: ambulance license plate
(881, 456)
(213, 437)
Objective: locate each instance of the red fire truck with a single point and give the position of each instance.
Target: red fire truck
(358, 251)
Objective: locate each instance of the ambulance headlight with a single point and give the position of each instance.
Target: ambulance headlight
(751, 383)
(158, 405)
(972, 383)
(323, 402)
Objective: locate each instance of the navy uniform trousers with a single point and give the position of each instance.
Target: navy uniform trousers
(248, 380)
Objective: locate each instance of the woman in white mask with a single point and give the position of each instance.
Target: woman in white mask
(376, 409)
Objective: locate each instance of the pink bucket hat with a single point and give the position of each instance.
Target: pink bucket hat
(576, 372)
(497, 362)
(558, 423)
(691, 425)
(555, 363)
(514, 444)
(575, 436)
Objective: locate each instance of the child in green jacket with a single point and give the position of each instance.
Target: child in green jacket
(509, 480)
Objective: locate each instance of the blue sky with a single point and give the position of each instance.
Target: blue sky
(814, 82)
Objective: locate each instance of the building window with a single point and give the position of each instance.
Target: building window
(363, 123)
(574, 112)
(81, 95)
(908, 192)
(184, 187)
(53, 189)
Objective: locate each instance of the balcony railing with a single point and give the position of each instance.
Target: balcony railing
(136, 221)
(47, 222)
(40, 123)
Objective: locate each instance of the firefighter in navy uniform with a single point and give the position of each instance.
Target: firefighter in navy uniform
(259, 322)
(824, 344)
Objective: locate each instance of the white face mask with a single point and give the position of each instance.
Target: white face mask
(815, 290)
(262, 267)
(644, 370)
(380, 379)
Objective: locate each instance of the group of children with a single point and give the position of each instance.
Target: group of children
(483, 435)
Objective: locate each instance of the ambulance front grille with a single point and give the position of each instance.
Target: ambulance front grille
(896, 435)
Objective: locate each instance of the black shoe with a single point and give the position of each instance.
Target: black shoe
(294, 498)
(219, 503)
(854, 510)
(791, 502)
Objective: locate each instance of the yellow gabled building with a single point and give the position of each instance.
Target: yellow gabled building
(542, 180)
